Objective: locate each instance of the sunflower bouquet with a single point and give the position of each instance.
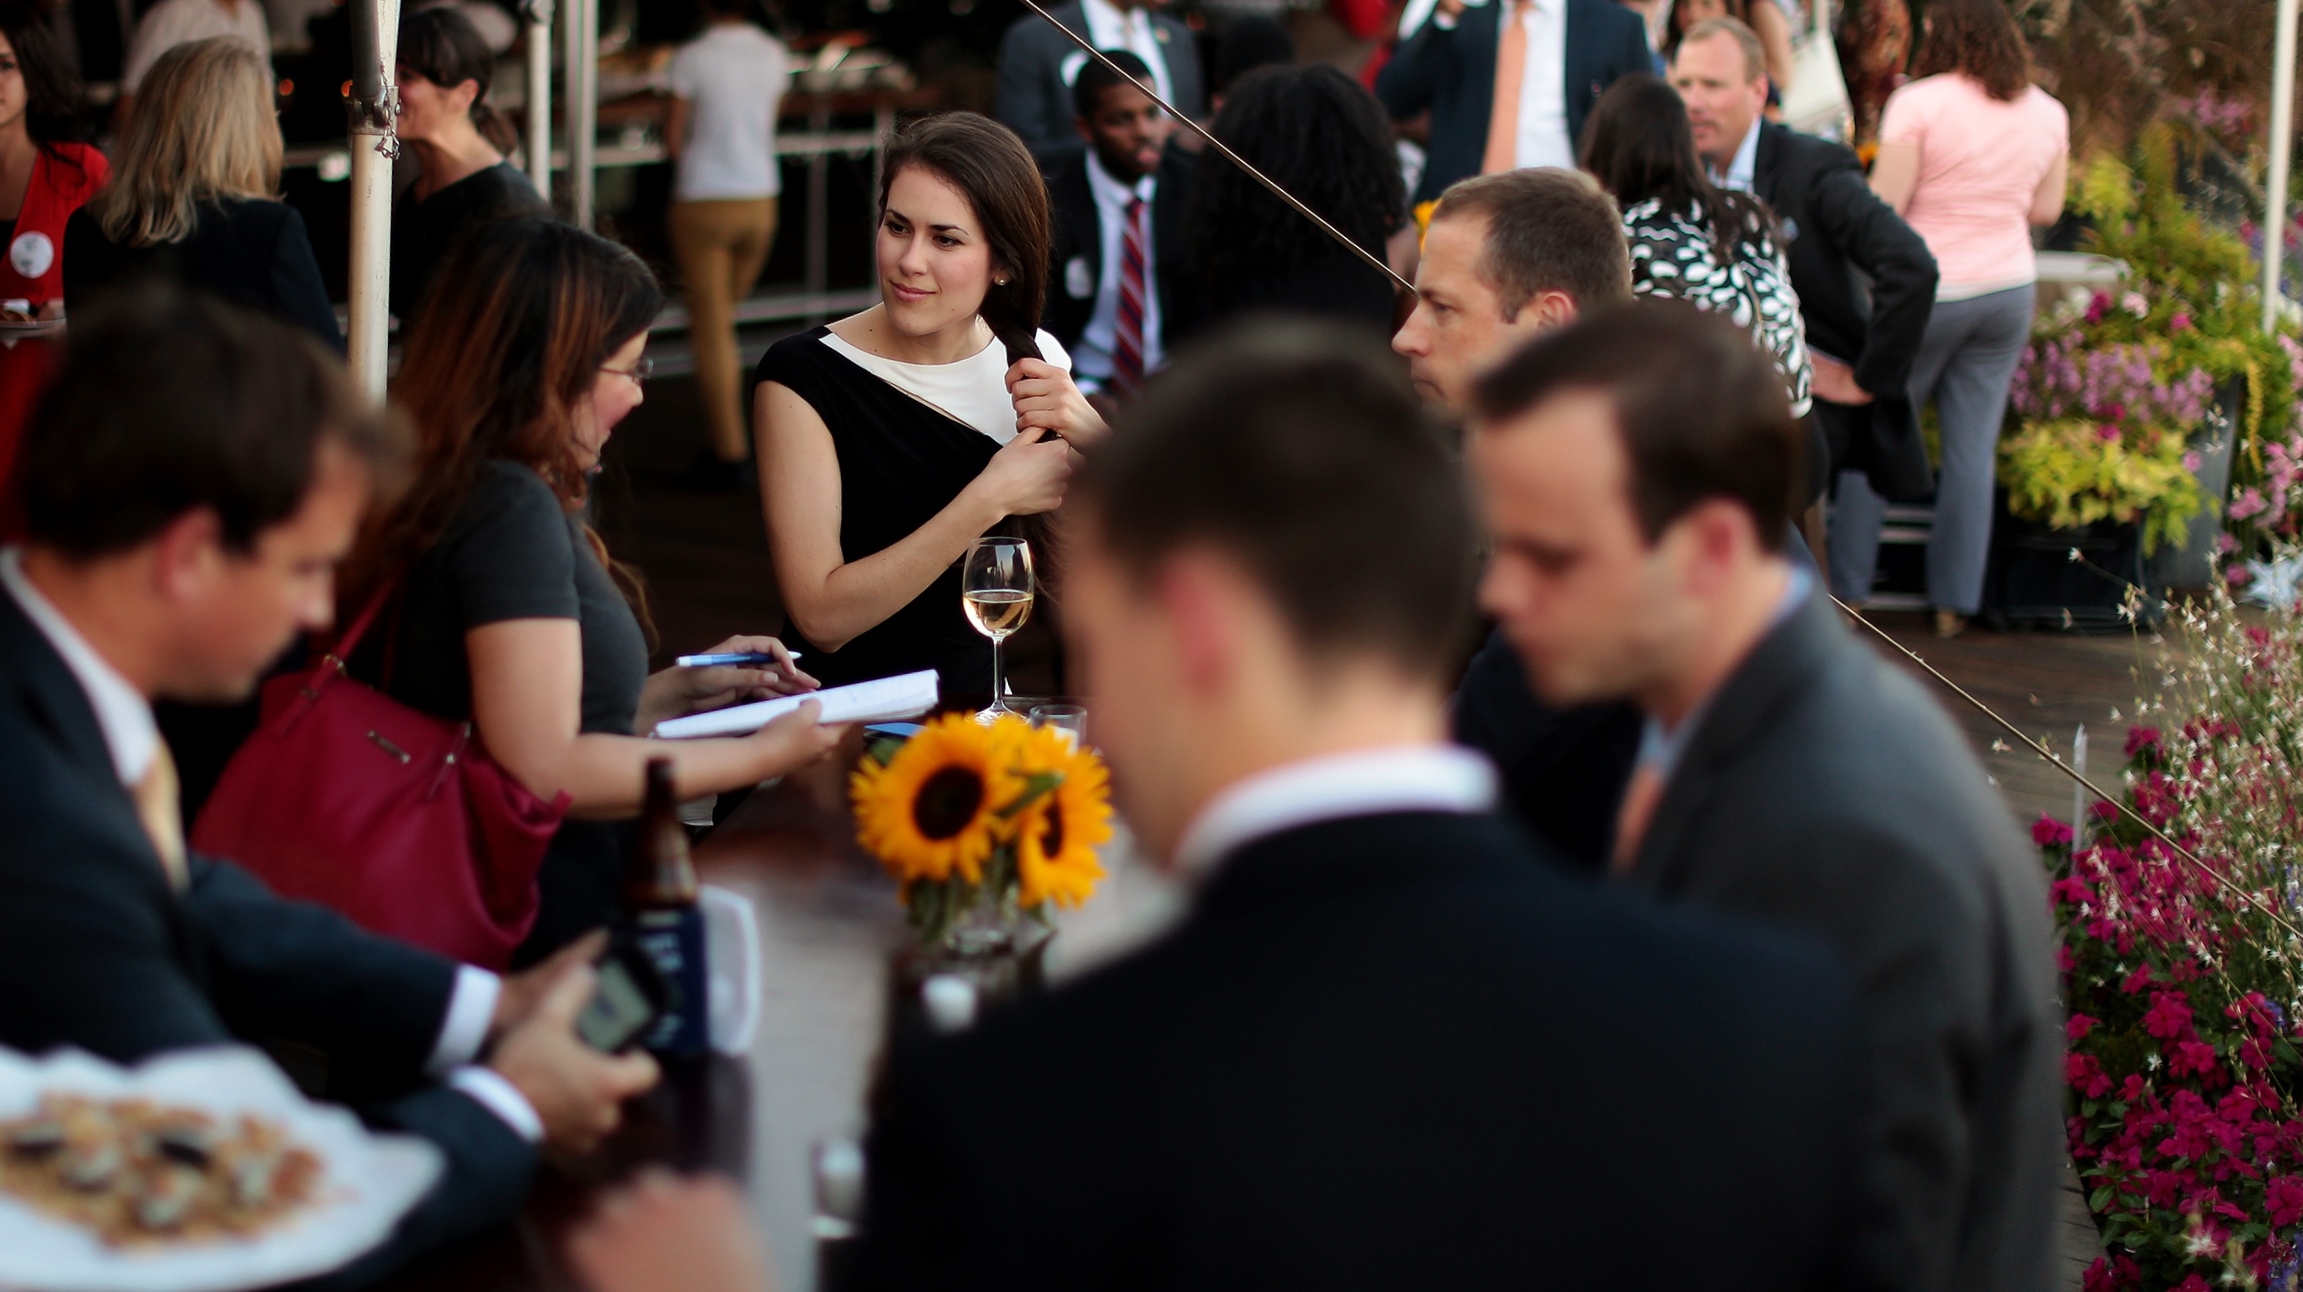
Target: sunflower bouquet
(983, 822)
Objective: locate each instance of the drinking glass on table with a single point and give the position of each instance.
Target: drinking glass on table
(996, 589)
(1071, 719)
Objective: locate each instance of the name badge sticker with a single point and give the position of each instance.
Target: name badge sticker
(1078, 283)
(32, 254)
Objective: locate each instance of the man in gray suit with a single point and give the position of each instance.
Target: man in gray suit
(1636, 470)
(1038, 66)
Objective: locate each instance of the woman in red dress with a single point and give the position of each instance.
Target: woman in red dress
(45, 174)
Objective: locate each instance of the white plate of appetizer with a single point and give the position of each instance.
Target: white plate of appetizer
(200, 1171)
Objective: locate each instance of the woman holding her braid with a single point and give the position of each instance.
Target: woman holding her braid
(508, 611)
(892, 439)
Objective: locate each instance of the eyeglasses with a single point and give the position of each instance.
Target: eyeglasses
(638, 372)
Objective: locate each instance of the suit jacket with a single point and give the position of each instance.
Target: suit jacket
(1452, 73)
(1389, 1051)
(1866, 285)
(1822, 789)
(250, 252)
(100, 954)
(1563, 770)
(1035, 100)
(1079, 237)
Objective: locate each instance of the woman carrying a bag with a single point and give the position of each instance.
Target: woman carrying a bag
(507, 610)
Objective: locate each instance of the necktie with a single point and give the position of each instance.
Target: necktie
(1631, 819)
(1510, 69)
(1128, 328)
(157, 807)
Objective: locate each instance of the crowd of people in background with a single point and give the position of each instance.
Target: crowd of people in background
(1669, 807)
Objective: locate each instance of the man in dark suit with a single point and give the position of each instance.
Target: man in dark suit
(1038, 66)
(1508, 257)
(1388, 1047)
(1635, 470)
(1866, 280)
(1560, 58)
(189, 483)
(1119, 285)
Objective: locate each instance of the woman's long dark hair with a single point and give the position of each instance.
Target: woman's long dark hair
(1979, 38)
(995, 172)
(1318, 134)
(51, 89)
(1638, 144)
(443, 47)
(1676, 29)
(502, 354)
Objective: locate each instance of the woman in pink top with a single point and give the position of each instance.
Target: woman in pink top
(1973, 155)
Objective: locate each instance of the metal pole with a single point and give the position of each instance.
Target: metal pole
(2282, 144)
(580, 42)
(539, 15)
(375, 109)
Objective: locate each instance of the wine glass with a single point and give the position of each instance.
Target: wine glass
(996, 589)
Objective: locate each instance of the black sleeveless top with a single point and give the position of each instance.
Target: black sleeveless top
(901, 462)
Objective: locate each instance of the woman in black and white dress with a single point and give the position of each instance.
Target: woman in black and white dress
(892, 439)
(1691, 239)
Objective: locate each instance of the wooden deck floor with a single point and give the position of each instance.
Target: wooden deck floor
(705, 556)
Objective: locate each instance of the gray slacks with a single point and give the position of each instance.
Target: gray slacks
(1965, 362)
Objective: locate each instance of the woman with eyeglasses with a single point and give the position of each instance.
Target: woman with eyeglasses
(508, 611)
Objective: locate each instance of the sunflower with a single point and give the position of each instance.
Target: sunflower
(1058, 831)
(931, 810)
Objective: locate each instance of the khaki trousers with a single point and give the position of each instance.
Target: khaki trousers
(721, 246)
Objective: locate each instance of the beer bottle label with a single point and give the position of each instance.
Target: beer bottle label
(674, 941)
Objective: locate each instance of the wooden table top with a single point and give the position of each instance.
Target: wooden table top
(829, 921)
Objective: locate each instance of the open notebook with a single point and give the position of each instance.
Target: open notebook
(880, 700)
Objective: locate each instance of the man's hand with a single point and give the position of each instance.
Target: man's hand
(1449, 9)
(522, 992)
(667, 1233)
(577, 1092)
(1834, 382)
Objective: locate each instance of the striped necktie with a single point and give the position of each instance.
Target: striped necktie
(1502, 152)
(1128, 330)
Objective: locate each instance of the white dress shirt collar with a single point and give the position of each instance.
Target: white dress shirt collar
(1743, 171)
(1134, 31)
(122, 712)
(1396, 778)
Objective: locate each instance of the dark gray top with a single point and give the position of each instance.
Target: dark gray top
(1823, 790)
(426, 233)
(511, 552)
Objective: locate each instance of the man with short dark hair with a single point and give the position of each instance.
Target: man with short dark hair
(1637, 471)
(190, 482)
(1039, 65)
(1865, 279)
(1508, 257)
(1120, 285)
(1388, 1047)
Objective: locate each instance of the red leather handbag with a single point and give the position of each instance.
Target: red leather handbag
(349, 798)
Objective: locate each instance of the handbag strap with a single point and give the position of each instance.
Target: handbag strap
(342, 649)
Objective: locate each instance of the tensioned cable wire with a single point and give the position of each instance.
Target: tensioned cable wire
(2040, 748)
(1219, 145)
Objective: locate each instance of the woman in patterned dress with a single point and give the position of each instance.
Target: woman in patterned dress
(1690, 239)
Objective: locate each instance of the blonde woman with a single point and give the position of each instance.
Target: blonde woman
(192, 196)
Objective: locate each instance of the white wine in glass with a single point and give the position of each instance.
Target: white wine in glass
(996, 588)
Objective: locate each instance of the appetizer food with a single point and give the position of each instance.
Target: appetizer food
(136, 1173)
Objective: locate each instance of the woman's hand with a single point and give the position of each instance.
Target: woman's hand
(1027, 476)
(1046, 400)
(792, 741)
(677, 692)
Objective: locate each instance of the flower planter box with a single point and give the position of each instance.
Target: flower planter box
(2190, 565)
(2033, 582)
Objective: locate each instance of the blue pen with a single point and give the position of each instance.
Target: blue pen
(742, 658)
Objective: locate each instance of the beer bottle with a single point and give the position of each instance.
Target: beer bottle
(661, 917)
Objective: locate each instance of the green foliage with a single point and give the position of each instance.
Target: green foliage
(2066, 474)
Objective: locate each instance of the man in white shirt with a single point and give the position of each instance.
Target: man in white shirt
(191, 480)
(1508, 83)
(1120, 281)
(180, 22)
(1039, 65)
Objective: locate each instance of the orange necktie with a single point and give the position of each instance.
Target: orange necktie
(158, 808)
(1631, 820)
(1510, 70)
